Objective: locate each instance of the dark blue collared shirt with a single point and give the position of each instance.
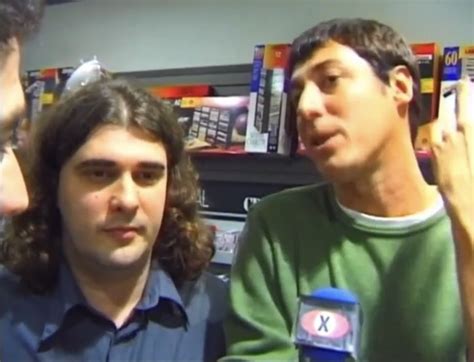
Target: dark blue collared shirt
(167, 324)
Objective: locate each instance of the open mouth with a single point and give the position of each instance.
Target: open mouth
(321, 139)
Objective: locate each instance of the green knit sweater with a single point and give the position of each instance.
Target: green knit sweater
(299, 240)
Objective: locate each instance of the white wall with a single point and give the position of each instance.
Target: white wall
(130, 35)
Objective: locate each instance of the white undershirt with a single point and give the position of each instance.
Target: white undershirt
(394, 222)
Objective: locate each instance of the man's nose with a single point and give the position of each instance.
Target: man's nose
(310, 104)
(126, 194)
(13, 193)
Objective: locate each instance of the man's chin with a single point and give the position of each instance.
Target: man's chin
(124, 259)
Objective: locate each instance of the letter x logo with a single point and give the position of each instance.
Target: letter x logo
(323, 327)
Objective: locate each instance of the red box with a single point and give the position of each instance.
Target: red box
(180, 91)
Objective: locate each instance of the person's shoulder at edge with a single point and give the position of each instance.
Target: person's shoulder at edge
(8, 280)
(206, 298)
(11, 290)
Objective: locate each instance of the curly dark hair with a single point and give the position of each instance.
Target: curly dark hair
(31, 248)
(18, 19)
(380, 45)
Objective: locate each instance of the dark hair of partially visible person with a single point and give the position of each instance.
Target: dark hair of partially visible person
(18, 19)
(32, 247)
(380, 45)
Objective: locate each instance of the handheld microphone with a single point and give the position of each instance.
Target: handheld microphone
(328, 325)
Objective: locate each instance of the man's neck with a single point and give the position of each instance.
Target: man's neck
(395, 189)
(112, 293)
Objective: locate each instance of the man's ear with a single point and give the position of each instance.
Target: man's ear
(401, 84)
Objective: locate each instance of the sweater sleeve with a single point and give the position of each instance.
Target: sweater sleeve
(259, 326)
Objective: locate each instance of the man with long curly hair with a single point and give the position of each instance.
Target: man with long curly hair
(108, 261)
(18, 19)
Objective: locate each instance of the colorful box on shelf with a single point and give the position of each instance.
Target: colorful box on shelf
(214, 124)
(458, 62)
(43, 87)
(428, 58)
(180, 91)
(266, 127)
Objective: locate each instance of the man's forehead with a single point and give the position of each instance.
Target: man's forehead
(12, 102)
(107, 130)
(313, 65)
(331, 54)
(104, 140)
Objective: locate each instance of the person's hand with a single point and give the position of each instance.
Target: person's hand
(453, 167)
(453, 155)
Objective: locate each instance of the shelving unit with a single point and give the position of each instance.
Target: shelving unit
(230, 181)
(233, 179)
(256, 168)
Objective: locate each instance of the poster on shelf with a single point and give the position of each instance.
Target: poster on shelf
(224, 207)
(214, 124)
(211, 124)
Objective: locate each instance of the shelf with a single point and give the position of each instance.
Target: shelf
(225, 80)
(257, 168)
(223, 257)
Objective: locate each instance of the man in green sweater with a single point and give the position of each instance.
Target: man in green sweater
(377, 228)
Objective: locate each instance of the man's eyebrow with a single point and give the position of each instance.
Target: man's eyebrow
(152, 165)
(95, 162)
(105, 163)
(315, 68)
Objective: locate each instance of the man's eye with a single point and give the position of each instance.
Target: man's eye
(100, 174)
(10, 142)
(147, 176)
(329, 82)
(295, 97)
(5, 149)
(14, 144)
(5, 146)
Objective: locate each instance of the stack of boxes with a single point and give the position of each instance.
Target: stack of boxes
(438, 96)
(239, 124)
(210, 124)
(218, 122)
(266, 126)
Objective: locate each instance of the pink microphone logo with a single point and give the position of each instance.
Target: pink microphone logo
(324, 323)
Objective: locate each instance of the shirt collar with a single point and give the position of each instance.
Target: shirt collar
(63, 298)
(159, 285)
(67, 295)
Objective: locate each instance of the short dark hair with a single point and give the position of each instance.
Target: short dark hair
(31, 248)
(18, 19)
(380, 45)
